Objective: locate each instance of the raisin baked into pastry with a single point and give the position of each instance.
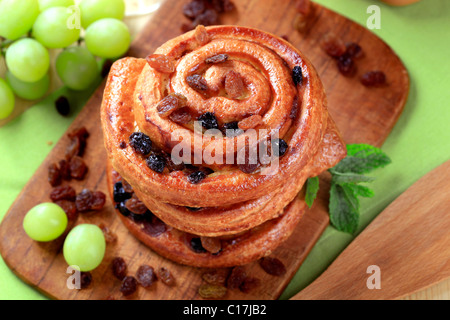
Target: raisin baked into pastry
(210, 140)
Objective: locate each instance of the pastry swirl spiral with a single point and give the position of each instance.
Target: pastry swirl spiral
(225, 76)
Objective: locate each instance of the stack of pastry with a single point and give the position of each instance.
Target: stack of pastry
(216, 87)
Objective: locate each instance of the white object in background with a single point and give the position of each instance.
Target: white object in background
(141, 7)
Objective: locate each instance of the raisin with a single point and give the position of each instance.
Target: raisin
(166, 276)
(279, 147)
(119, 193)
(197, 82)
(303, 7)
(196, 177)
(73, 149)
(354, 50)
(249, 284)
(193, 209)
(78, 168)
(300, 23)
(141, 143)
(161, 63)
(221, 6)
(110, 237)
(181, 116)
(135, 205)
(346, 65)
(248, 161)
(231, 129)
(98, 200)
(69, 208)
(62, 106)
(218, 58)
(146, 276)
(231, 125)
(127, 187)
(297, 75)
(201, 35)
(206, 170)
(272, 266)
(64, 168)
(170, 103)
(119, 268)
(84, 201)
(217, 276)
(78, 139)
(54, 175)
(236, 278)
(250, 122)
(228, 5)
(128, 286)
(248, 167)
(373, 79)
(212, 245)
(196, 245)
(85, 279)
(81, 133)
(212, 291)
(208, 18)
(123, 145)
(156, 162)
(121, 206)
(170, 164)
(63, 193)
(333, 46)
(153, 226)
(234, 85)
(208, 121)
(194, 8)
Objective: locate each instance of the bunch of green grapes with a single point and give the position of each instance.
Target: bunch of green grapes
(30, 28)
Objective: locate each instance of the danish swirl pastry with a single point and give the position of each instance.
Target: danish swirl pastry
(215, 134)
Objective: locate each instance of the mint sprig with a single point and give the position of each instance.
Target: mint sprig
(361, 158)
(312, 187)
(345, 189)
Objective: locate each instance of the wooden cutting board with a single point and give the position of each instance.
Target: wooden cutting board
(363, 116)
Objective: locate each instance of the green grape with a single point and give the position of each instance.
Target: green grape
(93, 10)
(6, 100)
(108, 38)
(45, 4)
(52, 30)
(27, 60)
(77, 68)
(28, 90)
(85, 247)
(17, 17)
(45, 222)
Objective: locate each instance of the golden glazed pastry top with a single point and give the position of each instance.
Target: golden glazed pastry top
(265, 63)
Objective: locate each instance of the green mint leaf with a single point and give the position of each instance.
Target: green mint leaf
(361, 158)
(349, 177)
(312, 186)
(344, 208)
(362, 191)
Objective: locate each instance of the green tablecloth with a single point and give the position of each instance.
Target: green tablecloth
(420, 141)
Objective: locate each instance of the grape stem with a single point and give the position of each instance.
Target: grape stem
(5, 43)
